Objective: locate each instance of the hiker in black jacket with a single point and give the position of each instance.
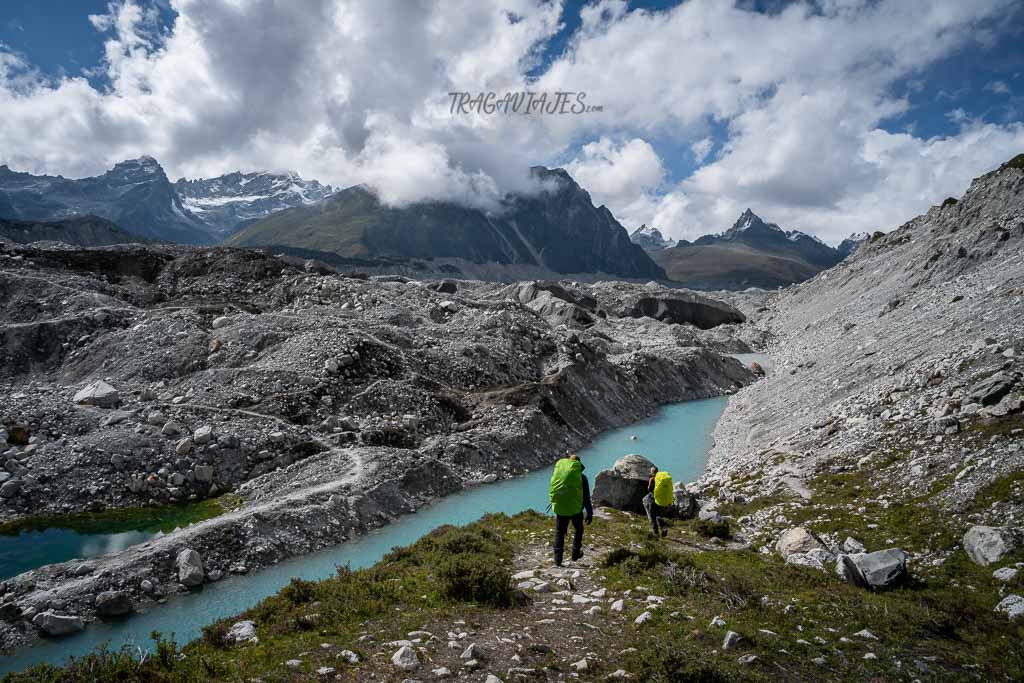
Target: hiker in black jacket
(577, 520)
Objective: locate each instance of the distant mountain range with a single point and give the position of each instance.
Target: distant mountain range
(558, 230)
(752, 253)
(137, 196)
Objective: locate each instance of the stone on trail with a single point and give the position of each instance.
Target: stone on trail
(491, 678)
(190, 568)
(405, 658)
(618, 605)
(99, 394)
(624, 485)
(113, 603)
(53, 624)
(348, 656)
(880, 569)
(471, 652)
(1012, 606)
(731, 640)
(986, 545)
(643, 618)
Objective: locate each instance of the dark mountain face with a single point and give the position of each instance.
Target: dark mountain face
(135, 195)
(83, 231)
(558, 229)
(752, 253)
(231, 202)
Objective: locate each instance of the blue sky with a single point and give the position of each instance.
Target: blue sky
(688, 136)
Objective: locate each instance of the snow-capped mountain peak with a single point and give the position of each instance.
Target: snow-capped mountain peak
(650, 238)
(229, 202)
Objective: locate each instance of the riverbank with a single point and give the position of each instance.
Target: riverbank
(681, 608)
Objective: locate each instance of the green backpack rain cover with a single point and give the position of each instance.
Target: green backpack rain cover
(567, 488)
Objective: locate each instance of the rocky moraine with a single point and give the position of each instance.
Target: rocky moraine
(309, 405)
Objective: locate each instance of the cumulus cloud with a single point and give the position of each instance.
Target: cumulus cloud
(351, 92)
(998, 87)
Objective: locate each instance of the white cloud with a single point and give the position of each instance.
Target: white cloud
(701, 149)
(349, 92)
(998, 87)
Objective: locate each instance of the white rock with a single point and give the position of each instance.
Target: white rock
(405, 658)
(1012, 606)
(643, 618)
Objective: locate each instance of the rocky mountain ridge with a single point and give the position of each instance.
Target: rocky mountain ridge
(751, 253)
(135, 194)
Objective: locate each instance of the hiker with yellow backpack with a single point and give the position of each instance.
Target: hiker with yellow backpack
(660, 496)
(569, 493)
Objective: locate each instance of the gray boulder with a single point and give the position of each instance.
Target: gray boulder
(880, 569)
(986, 545)
(10, 488)
(99, 394)
(53, 624)
(624, 485)
(113, 603)
(991, 390)
(685, 504)
(242, 631)
(190, 568)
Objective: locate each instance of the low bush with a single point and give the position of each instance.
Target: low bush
(299, 591)
(477, 577)
(713, 528)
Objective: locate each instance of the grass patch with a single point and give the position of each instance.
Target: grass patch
(156, 518)
(786, 615)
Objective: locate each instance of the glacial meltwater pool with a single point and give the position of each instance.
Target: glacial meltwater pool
(678, 439)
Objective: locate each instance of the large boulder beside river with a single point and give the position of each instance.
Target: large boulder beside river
(624, 485)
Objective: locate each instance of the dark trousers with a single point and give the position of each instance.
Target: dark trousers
(653, 510)
(561, 527)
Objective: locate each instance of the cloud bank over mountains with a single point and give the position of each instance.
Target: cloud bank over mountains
(785, 111)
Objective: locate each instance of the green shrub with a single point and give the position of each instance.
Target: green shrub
(713, 528)
(299, 591)
(216, 634)
(949, 201)
(478, 578)
(634, 562)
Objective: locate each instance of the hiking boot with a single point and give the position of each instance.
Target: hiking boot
(576, 554)
(664, 533)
